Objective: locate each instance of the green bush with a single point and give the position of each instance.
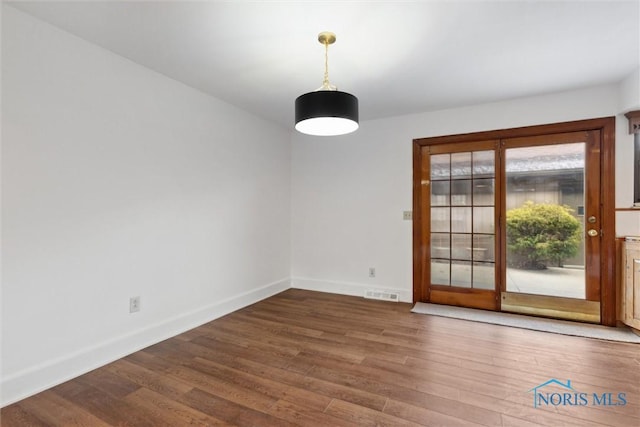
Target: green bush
(541, 234)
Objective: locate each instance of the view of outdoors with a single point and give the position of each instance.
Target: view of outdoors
(545, 220)
(545, 210)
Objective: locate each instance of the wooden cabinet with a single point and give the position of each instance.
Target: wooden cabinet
(630, 297)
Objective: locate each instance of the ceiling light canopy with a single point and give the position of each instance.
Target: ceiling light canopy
(326, 111)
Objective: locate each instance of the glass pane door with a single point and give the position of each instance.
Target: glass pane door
(514, 220)
(462, 212)
(552, 211)
(545, 220)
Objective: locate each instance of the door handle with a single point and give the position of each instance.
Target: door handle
(592, 232)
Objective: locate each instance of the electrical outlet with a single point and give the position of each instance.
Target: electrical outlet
(372, 272)
(407, 215)
(134, 304)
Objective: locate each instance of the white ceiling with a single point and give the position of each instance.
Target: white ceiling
(396, 57)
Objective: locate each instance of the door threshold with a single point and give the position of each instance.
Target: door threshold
(553, 307)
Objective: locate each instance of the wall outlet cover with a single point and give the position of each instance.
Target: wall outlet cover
(134, 304)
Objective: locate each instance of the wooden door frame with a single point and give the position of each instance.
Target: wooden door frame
(606, 126)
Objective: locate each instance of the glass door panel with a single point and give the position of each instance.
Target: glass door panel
(462, 215)
(552, 211)
(545, 203)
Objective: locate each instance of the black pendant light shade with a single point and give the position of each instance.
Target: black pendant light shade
(326, 113)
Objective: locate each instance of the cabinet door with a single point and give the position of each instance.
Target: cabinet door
(632, 285)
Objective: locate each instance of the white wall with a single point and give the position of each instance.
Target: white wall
(627, 222)
(349, 192)
(630, 92)
(119, 182)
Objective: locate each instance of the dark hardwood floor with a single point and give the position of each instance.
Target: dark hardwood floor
(315, 359)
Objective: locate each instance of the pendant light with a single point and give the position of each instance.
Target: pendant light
(326, 111)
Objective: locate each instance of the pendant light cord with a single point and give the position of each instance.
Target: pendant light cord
(326, 85)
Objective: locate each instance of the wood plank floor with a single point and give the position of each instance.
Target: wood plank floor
(314, 359)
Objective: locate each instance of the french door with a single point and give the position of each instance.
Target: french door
(460, 212)
(516, 221)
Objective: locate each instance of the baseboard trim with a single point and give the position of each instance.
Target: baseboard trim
(345, 288)
(23, 384)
